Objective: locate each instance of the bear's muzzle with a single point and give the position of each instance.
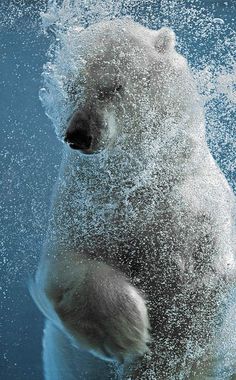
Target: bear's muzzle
(84, 131)
(78, 134)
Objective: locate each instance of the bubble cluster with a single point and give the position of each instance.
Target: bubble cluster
(205, 36)
(113, 192)
(207, 41)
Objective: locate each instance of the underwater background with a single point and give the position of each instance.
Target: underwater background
(30, 153)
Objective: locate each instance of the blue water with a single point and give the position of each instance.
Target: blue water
(29, 160)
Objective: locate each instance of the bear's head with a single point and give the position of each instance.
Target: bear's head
(127, 83)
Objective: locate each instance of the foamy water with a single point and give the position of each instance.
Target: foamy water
(204, 39)
(207, 41)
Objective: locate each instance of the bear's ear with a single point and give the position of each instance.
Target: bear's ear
(164, 40)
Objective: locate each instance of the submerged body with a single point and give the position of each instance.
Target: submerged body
(140, 252)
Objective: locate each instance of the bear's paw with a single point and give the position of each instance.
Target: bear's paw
(103, 313)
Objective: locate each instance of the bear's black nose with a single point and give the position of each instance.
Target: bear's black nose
(78, 134)
(78, 139)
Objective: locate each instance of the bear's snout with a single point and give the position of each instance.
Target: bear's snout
(78, 138)
(78, 134)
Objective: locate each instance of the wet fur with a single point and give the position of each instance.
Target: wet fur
(136, 220)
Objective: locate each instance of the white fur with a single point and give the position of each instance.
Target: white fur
(152, 203)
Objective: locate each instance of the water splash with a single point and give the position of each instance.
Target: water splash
(207, 41)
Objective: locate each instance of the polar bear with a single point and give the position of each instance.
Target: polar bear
(140, 250)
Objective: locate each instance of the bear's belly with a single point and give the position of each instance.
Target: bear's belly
(165, 252)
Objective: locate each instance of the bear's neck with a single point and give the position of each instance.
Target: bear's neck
(108, 190)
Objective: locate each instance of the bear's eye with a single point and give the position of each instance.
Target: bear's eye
(108, 93)
(118, 88)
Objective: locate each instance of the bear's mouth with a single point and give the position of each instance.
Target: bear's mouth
(82, 149)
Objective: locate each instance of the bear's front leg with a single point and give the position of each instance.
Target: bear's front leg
(99, 309)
